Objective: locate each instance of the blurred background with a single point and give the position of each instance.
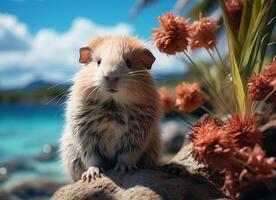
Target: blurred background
(39, 44)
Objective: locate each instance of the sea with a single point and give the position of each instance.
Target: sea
(27, 132)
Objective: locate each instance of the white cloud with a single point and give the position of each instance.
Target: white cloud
(166, 64)
(51, 55)
(13, 34)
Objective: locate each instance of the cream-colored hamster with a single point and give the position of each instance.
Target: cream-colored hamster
(113, 111)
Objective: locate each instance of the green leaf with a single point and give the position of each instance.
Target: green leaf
(238, 87)
(233, 42)
(256, 41)
(244, 25)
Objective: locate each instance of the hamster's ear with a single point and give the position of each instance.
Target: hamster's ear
(148, 58)
(85, 55)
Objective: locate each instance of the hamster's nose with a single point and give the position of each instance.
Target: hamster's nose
(115, 79)
(111, 83)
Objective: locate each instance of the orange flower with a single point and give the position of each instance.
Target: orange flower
(167, 99)
(203, 34)
(189, 97)
(234, 5)
(259, 87)
(245, 131)
(173, 35)
(269, 73)
(212, 145)
(253, 167)
(261, 167)
(234, 9)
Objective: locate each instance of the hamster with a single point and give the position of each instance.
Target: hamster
(113, 110)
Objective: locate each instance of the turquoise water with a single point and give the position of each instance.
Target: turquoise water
(24, 131)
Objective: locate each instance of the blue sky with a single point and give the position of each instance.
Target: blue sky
(58, 14)
(39, 39)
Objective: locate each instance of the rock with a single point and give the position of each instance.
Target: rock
(3, 177)
(143, 184)
(4, 195)
(49, 153)
(16, 165)
(146, 184)
(3, 174)
(267, 116)
(173, 135)
(269, 132)
(36, 189)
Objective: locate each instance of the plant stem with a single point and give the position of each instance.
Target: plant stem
(180, 115)
(215, 92)
(215, 62)
(220, 58)
(207, 110)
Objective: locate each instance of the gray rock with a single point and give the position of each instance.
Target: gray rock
(173, 135)
(36, 189)
(3, 178)
(16, 165)
(145, 184)
(49, 153)
(4, 195)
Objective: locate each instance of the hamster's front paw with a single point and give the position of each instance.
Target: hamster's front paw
(92, 173)
(124, 167)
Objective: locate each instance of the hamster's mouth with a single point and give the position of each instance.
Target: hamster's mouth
(111, 85)
(111, 90)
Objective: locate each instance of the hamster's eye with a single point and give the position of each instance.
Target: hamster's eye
(99, 62)
(128, 63)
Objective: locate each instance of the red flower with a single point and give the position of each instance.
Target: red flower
(172, 36)
(254, 167)
(189, 97)
(212, 145)
(203, 34)
(259, 88)
(245, 130)
(260, 167)
(262, 85)
(269, 73)
(234, 9)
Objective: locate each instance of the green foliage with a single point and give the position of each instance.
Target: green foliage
(42, 95)
(247, 49)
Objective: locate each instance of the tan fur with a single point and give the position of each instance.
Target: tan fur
(134, 91)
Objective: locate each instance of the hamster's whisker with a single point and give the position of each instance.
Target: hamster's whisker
(141, 76)
(152, 74)
(58, 84)
(143, 83)
(142, 70)
(98, 91)
(139, 72)
(90, 93)
(138, 87)
(59, 95)
(147, 76)
(159, 76)
(63, 96)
